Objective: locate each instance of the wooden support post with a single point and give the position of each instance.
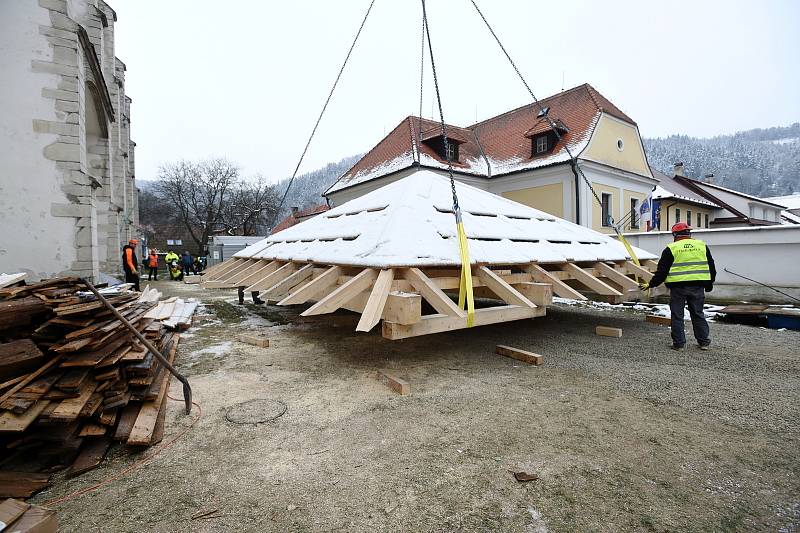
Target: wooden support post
(559, 287)
(400, 386)
(520, 355)
(590, 281)
(342, 294)
(538, 293)
(377, 300)
(314, 287)
(290, 281)
(433, 294)
(400, 307)
(439, 323)
(506, 292)
(636, 270)
(616, 276)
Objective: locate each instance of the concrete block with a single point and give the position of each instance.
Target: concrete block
(59, 128)
(49, 67)
(55, 5)
(71, 210)
(605, 331)
(63, 152)
(59, 94)
(60, 34)
(65, 56)
(69, 107)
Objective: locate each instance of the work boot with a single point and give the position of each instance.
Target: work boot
(256, 299)
(676, 347)
(704, 347)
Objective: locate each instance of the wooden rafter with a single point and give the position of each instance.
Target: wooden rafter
(262, 267)
(294, 278)
(266, 269)
(342, 294)
(636, 270)
(589, 280)
(377, 300)
(559, 287)
(506, 292)
(314, 287)
(235, 262)
(273, 277)
(616, 276)
(432, 293)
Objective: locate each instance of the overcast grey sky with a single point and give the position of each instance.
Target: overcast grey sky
(245, 79)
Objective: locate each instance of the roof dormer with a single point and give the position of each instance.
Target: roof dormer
(446, 151)
(543, 136)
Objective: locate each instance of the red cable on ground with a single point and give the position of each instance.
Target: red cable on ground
(134, 466)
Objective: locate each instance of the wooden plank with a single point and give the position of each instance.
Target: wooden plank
(261, 268)
(127, 420)
(400, 386)
(90, 429)
(146, 420)
(590, 281)
(605, 331)
(11, 279)
(270, 279)
(520, 355)
(229, 265)
(616, 276)
(37, 520)
(538, 293)
(660, 320)
(290, 281)
(342, 294)
(92, 454)
(158, 432)
(29, 378)
(233, 272)
(559, 287)
(376, 302)
(506, 292)
(10, 511)
(22, 484)
(14, 423)
(266, 270)
(313, 288)
(439, 323)
(433, 294)
(70, 408)
(636, 270)
(19, 357)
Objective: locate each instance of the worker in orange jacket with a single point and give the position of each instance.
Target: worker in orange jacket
(152, 265)
(130, 264)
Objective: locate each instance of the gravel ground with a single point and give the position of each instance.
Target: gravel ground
(624, 434)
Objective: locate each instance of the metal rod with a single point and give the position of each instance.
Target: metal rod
(762, 284)
(187, 389)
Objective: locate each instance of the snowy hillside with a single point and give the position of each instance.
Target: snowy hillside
(763, 162)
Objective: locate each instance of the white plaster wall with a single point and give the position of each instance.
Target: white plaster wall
(31, 239)
(769, 254)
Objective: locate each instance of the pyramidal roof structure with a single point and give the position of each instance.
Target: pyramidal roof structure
(410, 223)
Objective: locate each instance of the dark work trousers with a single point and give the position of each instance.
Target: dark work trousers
(152, 273)
(693, 297)
(254, 295)
(132, 277)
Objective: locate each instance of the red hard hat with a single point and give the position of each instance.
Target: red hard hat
(681, 226)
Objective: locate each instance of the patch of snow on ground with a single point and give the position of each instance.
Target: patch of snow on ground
(710, 311)
(216, 350)
(537, 524)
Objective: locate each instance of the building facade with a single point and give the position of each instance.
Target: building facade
(518, 155)
(68, 197)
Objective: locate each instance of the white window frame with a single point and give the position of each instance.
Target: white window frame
(606, 209)
(450, 151)
(541, 144)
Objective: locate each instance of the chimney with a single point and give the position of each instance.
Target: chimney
(295, 211)
(709, 178)
(678, 168)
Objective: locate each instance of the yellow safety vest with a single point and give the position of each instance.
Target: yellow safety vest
(691, 261)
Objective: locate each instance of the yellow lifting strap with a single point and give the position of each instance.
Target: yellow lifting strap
(465, 286)
(634, 258)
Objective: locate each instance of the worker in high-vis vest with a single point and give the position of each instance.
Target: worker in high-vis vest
(687, 269)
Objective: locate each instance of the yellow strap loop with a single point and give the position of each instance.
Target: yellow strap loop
(465, 286)
(633, 257)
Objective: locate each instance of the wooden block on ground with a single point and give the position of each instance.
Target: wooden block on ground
(398, 385)
(255, 340)
(10, 510)
(660, 320)
(520, 355)
(605, 331)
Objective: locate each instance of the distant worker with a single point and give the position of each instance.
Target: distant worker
(171, 257)
(152, 265)
(187, 262)
(130, 264)
(687, 269)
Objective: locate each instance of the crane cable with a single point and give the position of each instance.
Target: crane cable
(465, 293)
(573, 160)
(319, 118)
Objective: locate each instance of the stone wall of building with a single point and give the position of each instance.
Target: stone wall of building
(67, 182)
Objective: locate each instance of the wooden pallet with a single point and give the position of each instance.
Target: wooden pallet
(395, 295)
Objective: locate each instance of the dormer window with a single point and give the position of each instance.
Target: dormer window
(541, 144)
(445, 150)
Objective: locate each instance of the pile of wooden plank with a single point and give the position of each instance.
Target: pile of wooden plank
(74, 379)
(20, 517)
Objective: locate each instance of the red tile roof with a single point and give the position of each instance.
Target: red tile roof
(297, 217)
(501, 139)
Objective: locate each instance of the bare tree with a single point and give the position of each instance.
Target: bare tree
(250, 207)
(198, 192)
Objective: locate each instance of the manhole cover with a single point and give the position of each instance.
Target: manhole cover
(255, 411)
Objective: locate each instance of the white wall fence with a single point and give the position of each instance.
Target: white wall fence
(769, 254)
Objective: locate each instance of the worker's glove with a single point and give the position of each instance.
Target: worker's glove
(644, 286)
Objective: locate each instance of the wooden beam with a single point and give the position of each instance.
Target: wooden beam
(377, 300)
(229, 265)
(261, 265)
(400, 386)
(230, 274)
(270, 279)
(649, 264)
(538, 293)
(439, 323)
(400, 307)
(506, 292)
(636, 270)
(314, 287)
(520, 355)
(433, 294)
(342, 294)
(559, 287)
(290, 281)
(590, 281)
(616, 276)
(268, 269)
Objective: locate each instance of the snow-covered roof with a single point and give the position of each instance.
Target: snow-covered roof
(790, 218)
(410, 223)
(791, 201)
(669, 187)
